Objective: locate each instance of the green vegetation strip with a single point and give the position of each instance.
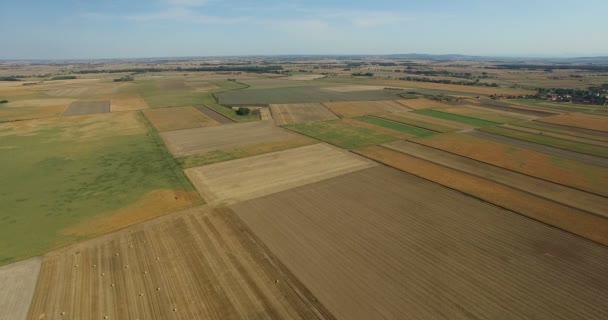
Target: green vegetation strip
(341, 134)
(550, 141)
(419, 132)
(456, 117)
(416, 123)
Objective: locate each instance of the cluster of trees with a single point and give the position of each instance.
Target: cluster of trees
(597, 95)
(549, 68)
(125, 78)
(63, 77)
(446, 81)
(3, 101)
(361, 74)
(9, 78)
(243, 111)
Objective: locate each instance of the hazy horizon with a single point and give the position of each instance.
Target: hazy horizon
(80, 29)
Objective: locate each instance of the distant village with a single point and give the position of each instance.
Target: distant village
(596, 95)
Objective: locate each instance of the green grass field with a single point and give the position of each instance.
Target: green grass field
(455, 117)
(550, 141)
(63, 174)
(416, 123)
(564, 106)
(341, 134)
(419, 132)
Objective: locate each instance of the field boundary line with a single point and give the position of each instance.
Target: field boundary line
(330, 110)
(529, 175)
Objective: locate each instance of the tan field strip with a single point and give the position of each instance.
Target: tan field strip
(382, 244)
(417, 104)
(558, 135)
(406, 118)
(265, 114)
(252, 177)
(18, 282)
(300, 112)
(229, 136)
(361, 108)
(572, 197)
(567, 172)
(436, 121)
(486, 114)
(177, 118)
(579, 120)
(127, 103)
(197, 264)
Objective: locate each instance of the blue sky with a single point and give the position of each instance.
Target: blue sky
(67, 29)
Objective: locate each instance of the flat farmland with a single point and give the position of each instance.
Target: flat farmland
(220, 118)
(379, 243)
(417, 104)
(18, 281)
(576, 146)
(486, 114)
(346, 133)
(252, 177)
(571, 131)
(197, 264)
(27, 113)
(360, 108)
(300, 94)
(574, 138)
(353, 88)
(468, 120)
(127, 103)
(66, 179)
(555, 192)
(169, 119)
(551, 168)
(547, 149)
(579, 120)
(265, 114)
(87, 107)
(203, 140)
(300, 112)
(397, 126)
(413, 119)
(509, 107)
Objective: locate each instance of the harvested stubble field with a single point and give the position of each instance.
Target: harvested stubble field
(379, 243)
(551, 168)
(555, 192)
(252, 177)
(87, 107)
(198, 264)
(471, 121)
(300, 112)
(265, 114)
(576, 146)
(360, 108)
(547, 149)
(405, 118)
(347, 133)
(127, 103)
(505, 106)
(225, 137)
(18, 282)
(417, 104)
(579, 120)
(169, 119)
(27, 113)
(58, 174)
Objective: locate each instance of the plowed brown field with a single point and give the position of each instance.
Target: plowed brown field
(361, 108)
(567, 172)
(382, 244)
(197, 264)
(177, 118)
(300, 112)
